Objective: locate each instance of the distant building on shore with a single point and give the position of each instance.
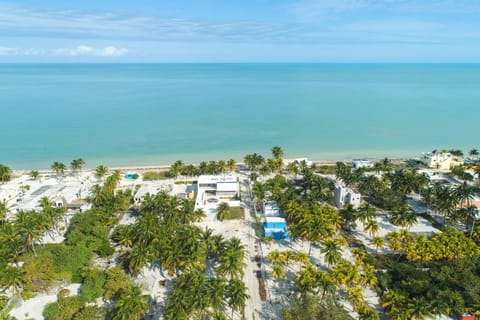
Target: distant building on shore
(344, 195)
(362, 163)
(441, 160)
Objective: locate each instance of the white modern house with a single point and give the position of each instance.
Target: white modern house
(218, 187)
(271, 209)
(344, 195)
(441, 160)
(362, 163)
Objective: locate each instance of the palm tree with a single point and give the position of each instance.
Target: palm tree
(386, 165)
(306, 280)
(59, 167)
(418, 308)
(34, 174)
(349, 215)
(137, 258)
(365, 213)
(368, 278)
(474, 153)
(253, 161)
(231, 261)
(12, 277)
(3, 212)
(359, 254)
(378, 242)
(231, 165)
(212, 167)
(216, 288)
(355, 296)
(332, 251)
(222, 210)
(29, 228)
(101, 171)
(277, 152)
(132, 305)
(222, 166)
(202, 167)
(175, 168)
(403, 217)
(292, 168)
(236, 294)
(278, 271)
(77, 164)
(464, 194)
(276, 256)
(372, 227)
(123, 235)
(190, 170)
(5, 173)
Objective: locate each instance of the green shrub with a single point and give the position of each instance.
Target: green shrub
(64, 308)
(90, 313)
(93, 282)
(116, 282)
(155, 175)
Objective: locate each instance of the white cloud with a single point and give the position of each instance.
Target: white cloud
(113, 52)
(5, 51)
(84, 50)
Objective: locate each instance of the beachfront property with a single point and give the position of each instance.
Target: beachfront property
(362, 163)
(275, 227)
(344, 195)
(70, 197)
(271, 209)
(215, 188)
(441, 160)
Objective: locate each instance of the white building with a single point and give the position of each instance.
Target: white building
(361, 163)
(441, 160)
(271, 209)
(344, 195)
(218, 187)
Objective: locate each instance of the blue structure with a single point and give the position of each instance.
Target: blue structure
(131, 175)
(276, 227)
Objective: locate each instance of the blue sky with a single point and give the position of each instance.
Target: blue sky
(240, 31)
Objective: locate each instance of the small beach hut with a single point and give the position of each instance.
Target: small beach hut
(276, 227)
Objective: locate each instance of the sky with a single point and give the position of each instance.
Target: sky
(240, 31)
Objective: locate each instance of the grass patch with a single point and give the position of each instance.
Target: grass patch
(156, 175)
(186, 182)
(235, 213)
(326, 169)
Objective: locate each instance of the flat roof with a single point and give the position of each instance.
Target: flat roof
(227, 186)
(216, 179)
(274, 219)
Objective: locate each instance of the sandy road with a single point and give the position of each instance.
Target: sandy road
(253, 306)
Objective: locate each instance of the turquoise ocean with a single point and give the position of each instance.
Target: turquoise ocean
(154, 114)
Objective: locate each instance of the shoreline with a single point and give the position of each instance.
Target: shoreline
(163, 167)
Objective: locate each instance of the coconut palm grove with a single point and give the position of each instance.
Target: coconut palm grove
(358, 261)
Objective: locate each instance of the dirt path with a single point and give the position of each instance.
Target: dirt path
(254, 304)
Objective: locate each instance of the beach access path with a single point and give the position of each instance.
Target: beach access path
(253, 307)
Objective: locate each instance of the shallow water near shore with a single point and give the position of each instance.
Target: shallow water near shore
(154, 114)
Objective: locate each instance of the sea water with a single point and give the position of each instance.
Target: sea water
(154, 114)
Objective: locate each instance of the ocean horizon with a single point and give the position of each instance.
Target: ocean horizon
(153, 114)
